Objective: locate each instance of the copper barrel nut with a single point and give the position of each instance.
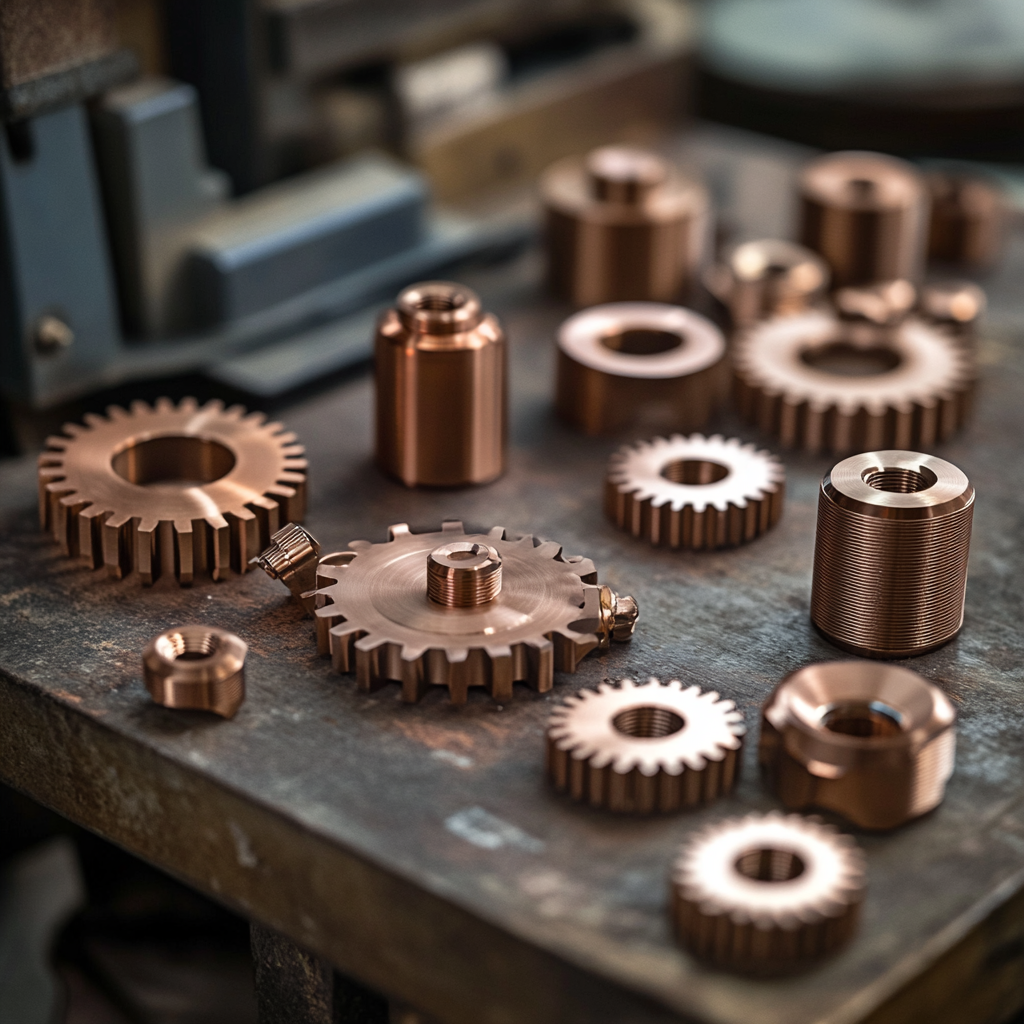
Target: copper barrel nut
(968, 220)
(638, 364)
(874, 743)
(866, 214)
(197, 667)
(441, 378)
(890, 555)
(622, 224)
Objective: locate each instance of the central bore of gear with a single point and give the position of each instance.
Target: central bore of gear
(185, 460)
(648, 723)
(862, 718)
(463, 574)
(695, 472)
(769, 865)
(844, 359)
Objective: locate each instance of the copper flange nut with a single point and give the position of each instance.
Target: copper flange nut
(645, 364)
(968, 220)
(694, 492)
(822, 384)
(866, 214)
(196, 667)
(644, 747)
(767, 894)
(890, 555)
(441, 386)
(622, 224)
(873, 743)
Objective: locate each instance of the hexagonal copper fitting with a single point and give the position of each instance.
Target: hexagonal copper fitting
(968, 220)
(874, 743)
(442, 379)
(622, 224)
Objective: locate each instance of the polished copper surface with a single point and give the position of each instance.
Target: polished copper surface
(441, 387)
(638, 364)
(956, 306)
(968, 220)
(873, 743)
(463, 574)
(767, 894)
(822, 384)
(176, 489)
(694, 492)
(866, 214)
(292, 557)
(644, 747)
(890, 555)
(883, 304)
(622, 225)
(196, 667)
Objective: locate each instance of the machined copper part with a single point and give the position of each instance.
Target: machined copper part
(968, 222)
(463, 574)
(890, 555)
(873, 743)
(884, 304)
(956, 306)
(866, 214)
(197, 667)
(767, 894)
(441, 386)
(176, 489)
(644, 747)
(622, 225)
(292, 557)
(638, 364)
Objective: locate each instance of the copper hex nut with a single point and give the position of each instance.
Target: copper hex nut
(873, 743)
(197, 667)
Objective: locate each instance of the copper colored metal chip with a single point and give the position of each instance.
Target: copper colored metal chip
(968, 220)
(767, 893)
(890, 555)
(874, 743)
(644, 747)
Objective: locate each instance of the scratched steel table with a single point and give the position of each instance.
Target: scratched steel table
(417, 847)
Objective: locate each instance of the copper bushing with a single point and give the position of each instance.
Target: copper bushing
(968, 220)
(890, 556)
(622, 224)
(463, 574)
(866, 214)
(874, 743)
(441, 388)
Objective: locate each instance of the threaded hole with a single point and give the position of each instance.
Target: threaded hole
(194, 647)
(765, 864)
(900, 481)
(648, 723)
(862, 718)
(844, 359)
(641, 342)
(440, 303)
(695, 472)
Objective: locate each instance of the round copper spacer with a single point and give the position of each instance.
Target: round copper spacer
(968, 220)
(957, 306)
(890, 555)
(197, 667)
(865, 213)
(874, 743)
(441, 383)
(463, 574)
(622, 224)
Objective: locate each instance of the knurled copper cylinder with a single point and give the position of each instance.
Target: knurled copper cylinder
(890, 555)
(622, 225)
(441, 377)
(968, 220)
(866, 214)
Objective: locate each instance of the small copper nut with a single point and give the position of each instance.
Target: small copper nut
(884, 304)
(198, 667)
(622, 225)
(441, 385)
(957, 306)
(873, 743)
(292, 558)
(968, 220)
(641, 364)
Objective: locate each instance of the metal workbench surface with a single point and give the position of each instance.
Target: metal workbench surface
(417, 846)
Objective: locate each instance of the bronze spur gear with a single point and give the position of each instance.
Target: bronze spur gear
(181, 489)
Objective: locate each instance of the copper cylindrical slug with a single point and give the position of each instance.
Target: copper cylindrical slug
(968, 220)
(463, 574)
(865, 213)
(890, 555)
(441, 376)
(622, 225)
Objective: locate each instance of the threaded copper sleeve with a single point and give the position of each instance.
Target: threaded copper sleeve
(463, 575)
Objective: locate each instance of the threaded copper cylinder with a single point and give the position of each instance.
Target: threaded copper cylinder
(890, 555)
(463, 574)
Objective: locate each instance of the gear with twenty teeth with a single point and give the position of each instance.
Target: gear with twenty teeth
(460, 610)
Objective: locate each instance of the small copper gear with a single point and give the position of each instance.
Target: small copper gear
(460, 610)
(766, 893)
(694, 492)
(644, 747)
(180, 489)
(914, 390)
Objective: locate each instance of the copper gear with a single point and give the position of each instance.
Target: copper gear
(644, 747)
(694, 492)
(765, 893)
(922, 400)
(180, 489)
(375, 618)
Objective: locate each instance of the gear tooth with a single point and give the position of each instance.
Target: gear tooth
(256, 418)
(139, 408)
(184, 553)
(397, 530)
(90, 535)
(117, 412)
(502, 672)
(218, 549)
(233, 412)
(497, 532)
(163, 405)
(370, 654)
(188, 404)
(214, 405)
(360, 545)
(145, 539)
(452, 526)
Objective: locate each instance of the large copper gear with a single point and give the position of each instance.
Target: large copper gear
(920, 399)
(182, 489)
(644, 747)
(375, 618)
(694, 492)
(767, 893)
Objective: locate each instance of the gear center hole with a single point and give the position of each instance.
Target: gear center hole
(844, 359)
(648, 723)
(187, 460)
(870, 719)
(642, 342)
(900, 481)
(194, 647)
(694, 472)
(766, 864)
